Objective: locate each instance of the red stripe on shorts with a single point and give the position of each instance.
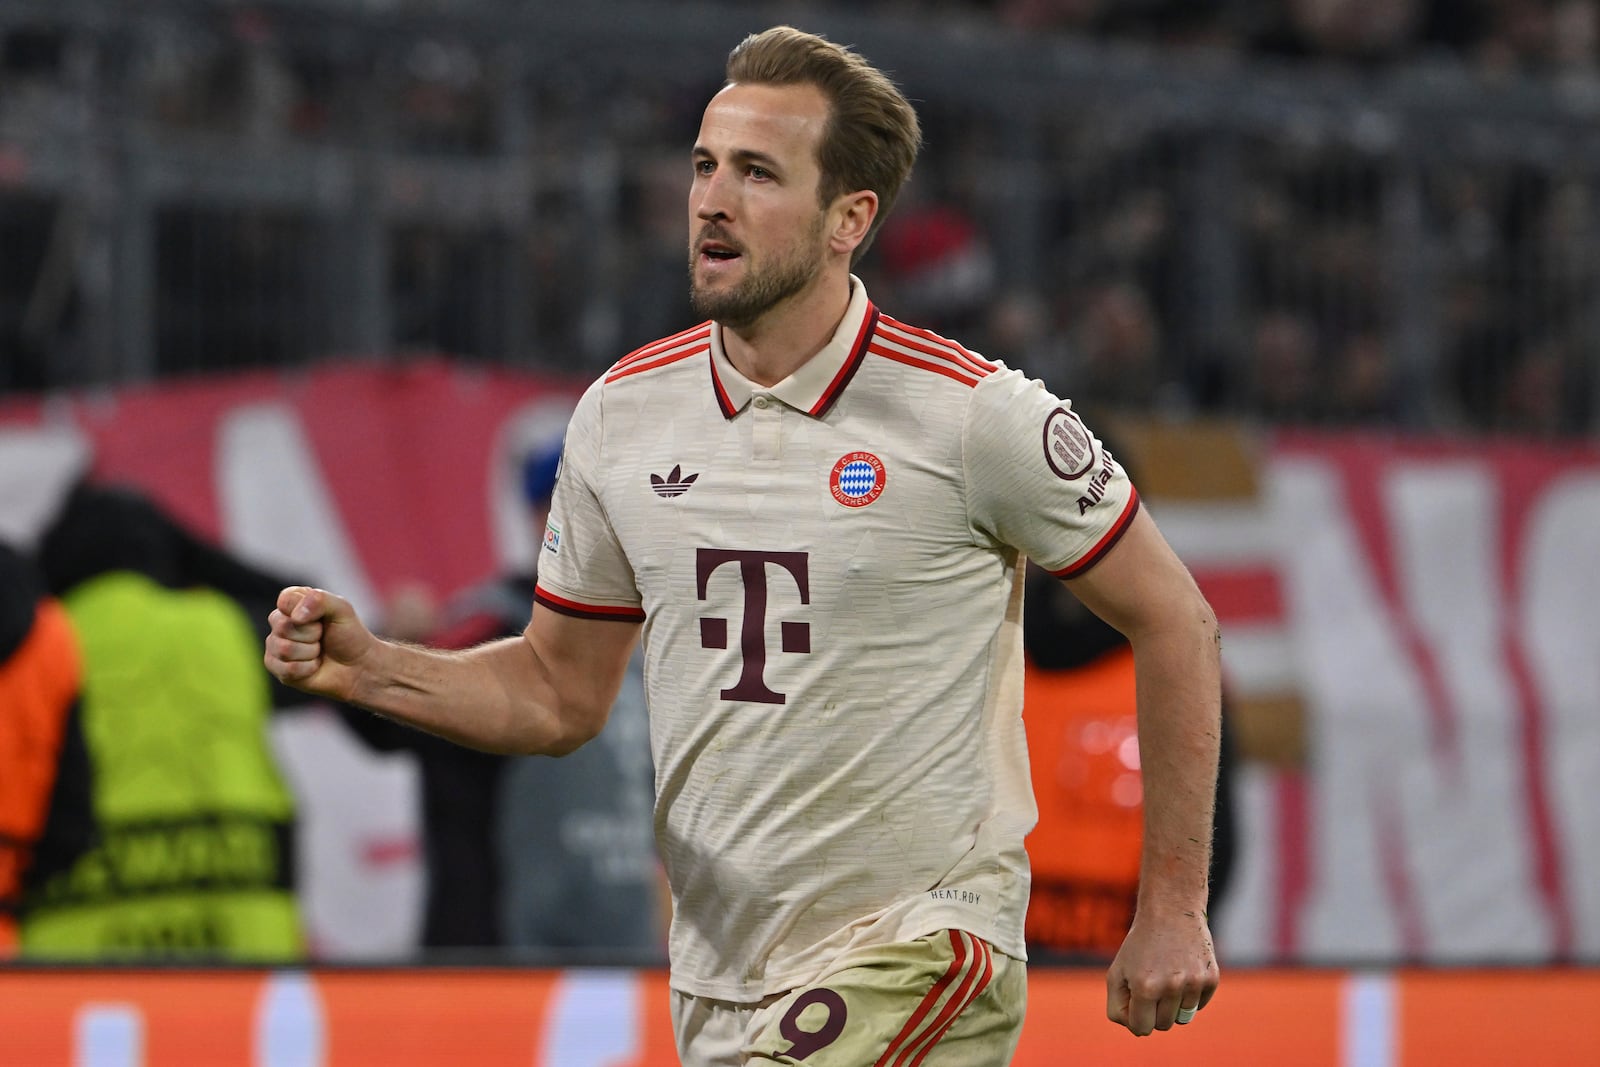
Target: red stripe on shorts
(891, 1055)
(962, 1000)
(911, 1046)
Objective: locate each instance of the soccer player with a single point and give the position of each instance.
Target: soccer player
(819, 516)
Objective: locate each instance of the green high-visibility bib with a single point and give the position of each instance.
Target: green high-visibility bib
(195, 852)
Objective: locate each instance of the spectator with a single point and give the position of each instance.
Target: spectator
(445, 104)
(1019, 332)
(658, 300)
(1077, 15)
(1117, 346)
(1354, 29)
(1575, 43)
(194, 857)
(1517, 37)
(1544, 393)
(1283, 369)
(934, 259)
(1510, 383)
(1362, 390)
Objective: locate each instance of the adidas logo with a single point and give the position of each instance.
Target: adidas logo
(674, 484)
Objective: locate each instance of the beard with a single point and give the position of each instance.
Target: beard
(762, 288)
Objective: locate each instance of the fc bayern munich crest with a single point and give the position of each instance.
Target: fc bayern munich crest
(857, 479)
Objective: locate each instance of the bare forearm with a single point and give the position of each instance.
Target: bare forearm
(547, 691)
(1167, 961)
(494, 697)
(1180, 732)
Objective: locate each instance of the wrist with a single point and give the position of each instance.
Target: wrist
(1159, 900)
(376, 675)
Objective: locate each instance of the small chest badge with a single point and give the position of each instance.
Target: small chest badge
(857, 479)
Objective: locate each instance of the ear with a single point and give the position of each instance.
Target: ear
(852, 216)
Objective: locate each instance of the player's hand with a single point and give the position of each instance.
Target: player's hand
(1165, 971)
(317, 643)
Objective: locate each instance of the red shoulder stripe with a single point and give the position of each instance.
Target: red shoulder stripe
(930, 342)
(619, 371)
(964, 377)
(657, 347)
(934, 345)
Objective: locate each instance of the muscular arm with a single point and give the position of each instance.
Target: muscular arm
(1142, 589)
(546, 691)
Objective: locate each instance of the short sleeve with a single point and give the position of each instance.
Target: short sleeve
(1038, 479)
(583, 570)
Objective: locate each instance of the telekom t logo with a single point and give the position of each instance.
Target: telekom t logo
(752, 632)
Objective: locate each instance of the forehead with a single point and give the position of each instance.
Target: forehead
(782, 121)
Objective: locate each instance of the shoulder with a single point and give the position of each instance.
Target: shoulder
(1011, 410)
(665, 352)
(922, 352)
(986, 391)
(635, 379)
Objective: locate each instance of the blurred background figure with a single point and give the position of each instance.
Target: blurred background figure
(534, 853)
(1284, 365)
(1116, 337)
(933, 263)
(44, 804)
(192, 854)
(1363, 390)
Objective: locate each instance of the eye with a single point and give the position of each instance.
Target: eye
(760, 173)
(704, 166)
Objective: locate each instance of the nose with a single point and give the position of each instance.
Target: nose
(710, 198)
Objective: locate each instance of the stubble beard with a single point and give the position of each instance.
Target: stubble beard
(761, 289)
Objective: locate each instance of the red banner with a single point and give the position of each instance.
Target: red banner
(377, 475)
(1432, 608)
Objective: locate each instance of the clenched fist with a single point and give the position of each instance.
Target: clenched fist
(318, 644)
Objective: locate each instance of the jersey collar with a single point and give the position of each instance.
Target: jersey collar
(819, 381)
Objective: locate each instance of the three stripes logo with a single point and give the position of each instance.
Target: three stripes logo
(675, 484)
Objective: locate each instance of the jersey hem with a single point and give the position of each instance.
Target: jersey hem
(927, 924)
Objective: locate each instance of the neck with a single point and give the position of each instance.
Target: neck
(786, 337)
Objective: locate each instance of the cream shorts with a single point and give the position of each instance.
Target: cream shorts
(946, 1000)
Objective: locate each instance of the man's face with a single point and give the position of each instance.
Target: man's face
(756, 230)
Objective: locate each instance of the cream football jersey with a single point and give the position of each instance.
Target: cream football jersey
(829, 576)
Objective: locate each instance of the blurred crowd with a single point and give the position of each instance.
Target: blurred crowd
(1495, 36)
(1284, 276)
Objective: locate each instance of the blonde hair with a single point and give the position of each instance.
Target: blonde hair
(872, 136)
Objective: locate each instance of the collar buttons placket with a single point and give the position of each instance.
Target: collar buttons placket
(767, 413)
